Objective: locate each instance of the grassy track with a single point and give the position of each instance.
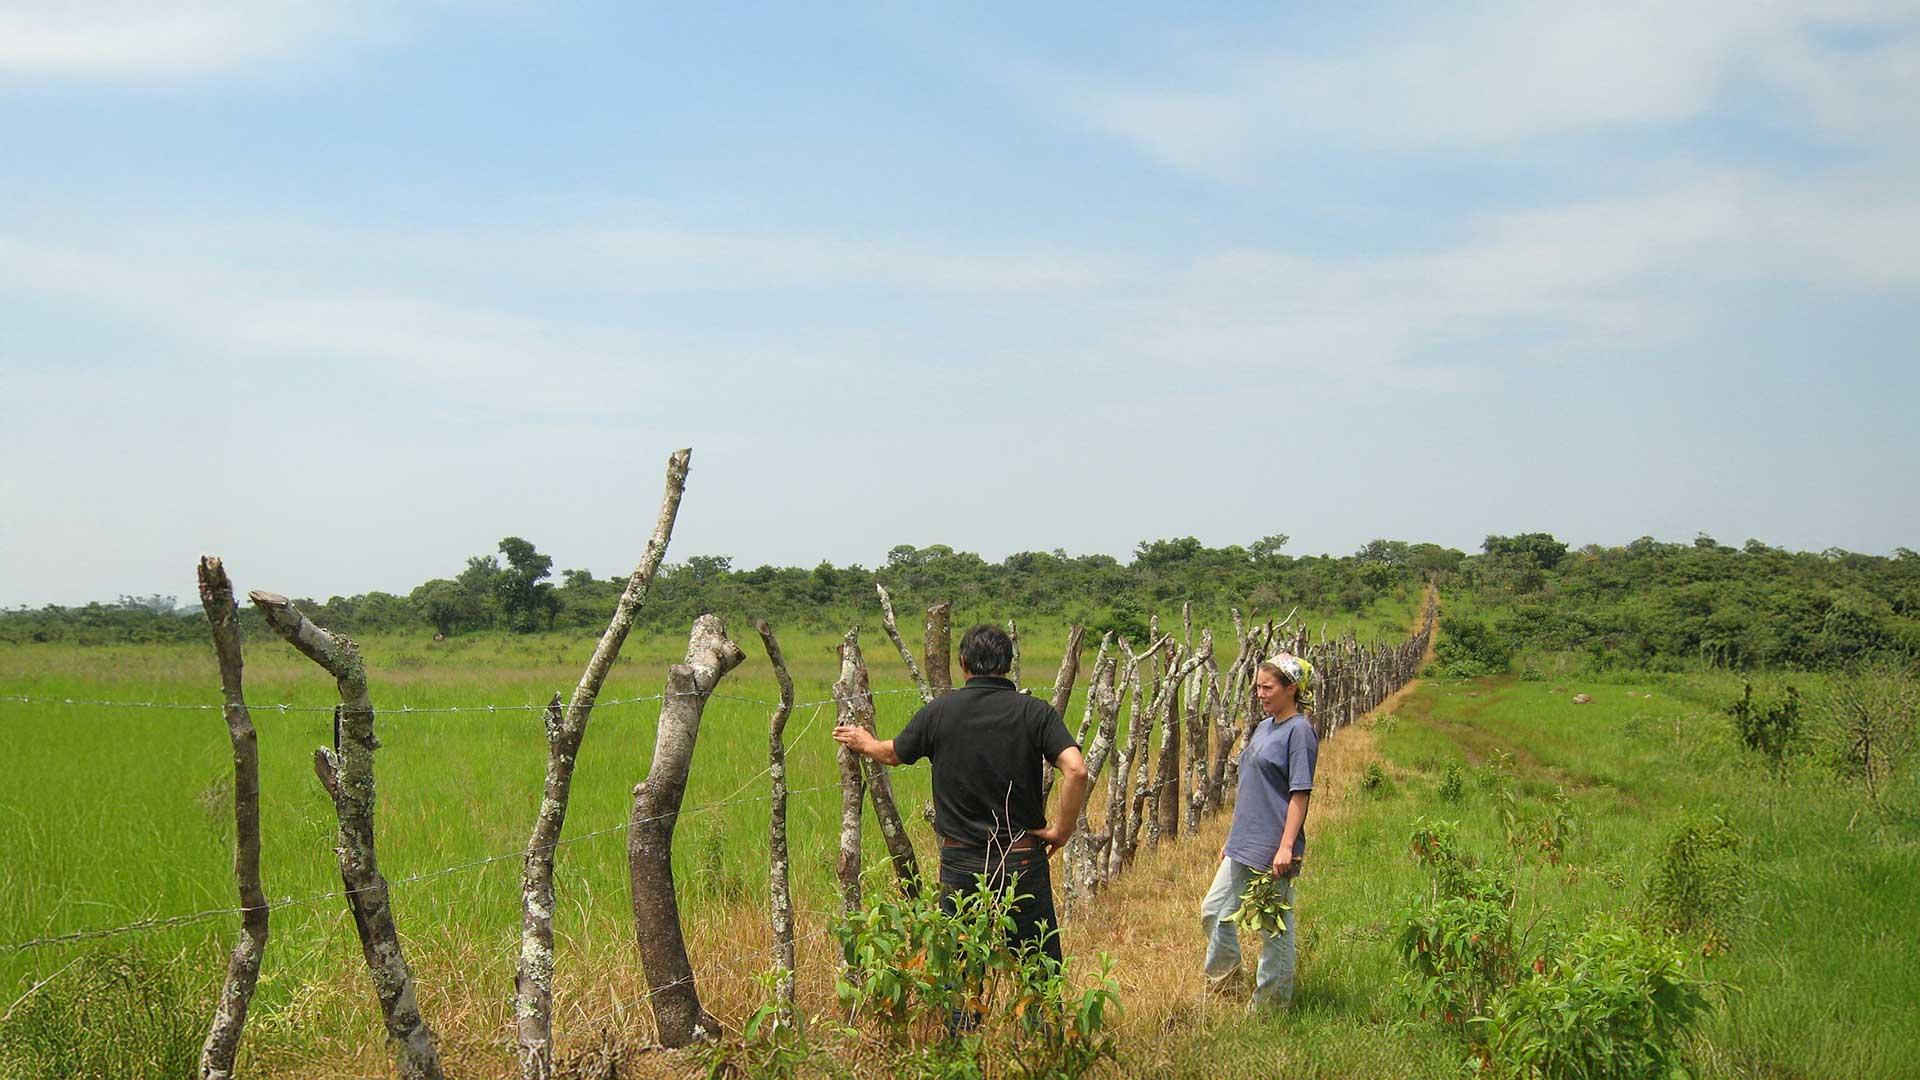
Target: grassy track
(1818, 981)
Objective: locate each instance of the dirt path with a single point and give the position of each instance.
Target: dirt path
(1149, 920)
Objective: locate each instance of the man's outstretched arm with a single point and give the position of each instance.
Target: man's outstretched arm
(1073, 798)
(862, 742)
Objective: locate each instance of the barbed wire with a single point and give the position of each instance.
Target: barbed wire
(188, 918)
(405, 710)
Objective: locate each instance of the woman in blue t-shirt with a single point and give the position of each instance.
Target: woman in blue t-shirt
(1269, 828)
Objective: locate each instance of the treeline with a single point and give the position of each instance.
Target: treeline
(515, 590)
(1646, 605)
(1661, 606)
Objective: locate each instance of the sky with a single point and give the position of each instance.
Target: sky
(344, 293)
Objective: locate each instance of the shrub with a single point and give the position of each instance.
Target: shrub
(1697, 885)
(1872, 724)
(1769, 729)
(1453, 784)
(920, 974)
(1374, 781)
(1467, 648)
(1611, 1002)
(1459, 940)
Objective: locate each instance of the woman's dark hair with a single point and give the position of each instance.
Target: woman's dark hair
(986, 650)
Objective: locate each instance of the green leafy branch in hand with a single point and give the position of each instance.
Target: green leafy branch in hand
(1263, 905)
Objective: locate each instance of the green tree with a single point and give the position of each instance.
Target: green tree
(526, 598)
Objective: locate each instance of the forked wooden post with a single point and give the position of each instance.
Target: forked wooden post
(346, 771)
(533, 968)
(677, 1013)
(852, 785)
(243, 967)
(906, 656)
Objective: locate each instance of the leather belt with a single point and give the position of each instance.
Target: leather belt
(1023, 843)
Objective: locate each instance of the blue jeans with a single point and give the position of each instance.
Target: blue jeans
(1026, 869)
(1273, 978)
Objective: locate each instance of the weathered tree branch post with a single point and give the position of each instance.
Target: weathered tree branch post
(1013, 638)
(346, 771)
(852, 787)
(779, 880)
(1167, 776)
(1063, 693)
(939, 646)
(243, 966)
(893, 631)
(656, 810)
(533, 968)
(853, 693)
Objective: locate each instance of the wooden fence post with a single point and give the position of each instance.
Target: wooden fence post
(243, 966)
(533, 968)
(779, 883)
(939, 646)
(346, 771)
(853, 693)
(656, 810)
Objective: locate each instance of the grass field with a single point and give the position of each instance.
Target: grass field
(117, 814)
(1816, 979)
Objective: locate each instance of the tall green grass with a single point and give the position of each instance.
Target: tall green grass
(118, 814)
(1815, 976)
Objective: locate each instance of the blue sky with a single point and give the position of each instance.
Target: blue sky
(345, 293)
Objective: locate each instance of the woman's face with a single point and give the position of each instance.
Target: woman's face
(1273, 694)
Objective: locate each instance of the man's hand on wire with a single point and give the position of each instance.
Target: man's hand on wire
(1054, 836)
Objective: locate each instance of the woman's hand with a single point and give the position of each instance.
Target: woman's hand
(1283, 865)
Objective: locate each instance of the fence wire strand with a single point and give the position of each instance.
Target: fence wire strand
(188, 918)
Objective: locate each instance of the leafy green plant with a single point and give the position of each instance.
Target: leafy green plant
(1458, 940)
(943, 986)
(1263, 904)
(1453, 784)
(1497, 771)
(1769, 729)
(772, 1044)
(1612, 1001)
(1697, 885)
(1373, 780)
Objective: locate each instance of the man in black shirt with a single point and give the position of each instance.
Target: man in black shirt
(988, 742)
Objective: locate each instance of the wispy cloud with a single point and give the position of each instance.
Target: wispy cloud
(128, 38)
(1512, 76)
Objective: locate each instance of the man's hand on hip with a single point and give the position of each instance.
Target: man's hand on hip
(1054, 836)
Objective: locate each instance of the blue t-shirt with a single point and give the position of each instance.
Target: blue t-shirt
(1277, 762)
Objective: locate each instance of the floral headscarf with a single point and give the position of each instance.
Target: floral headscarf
(1297, 671)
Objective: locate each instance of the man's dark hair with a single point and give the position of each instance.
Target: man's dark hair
(986, 650)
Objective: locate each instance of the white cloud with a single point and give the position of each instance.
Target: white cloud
(113, 38)
(1508, 77)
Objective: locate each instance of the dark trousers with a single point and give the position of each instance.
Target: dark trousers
(1026, 870)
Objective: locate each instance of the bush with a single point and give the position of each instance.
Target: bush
(1872, 724)
(1374, 781)
(1769, 729)
(1611, 1002)
(1459, 939)
(920, 975)
(1699, 882)
(1453, 784)
(1467, 648)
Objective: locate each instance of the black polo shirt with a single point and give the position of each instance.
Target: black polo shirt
(988, 742)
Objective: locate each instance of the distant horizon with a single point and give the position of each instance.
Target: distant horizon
(185, 603)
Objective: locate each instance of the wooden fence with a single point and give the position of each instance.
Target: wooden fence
(1185, 717)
